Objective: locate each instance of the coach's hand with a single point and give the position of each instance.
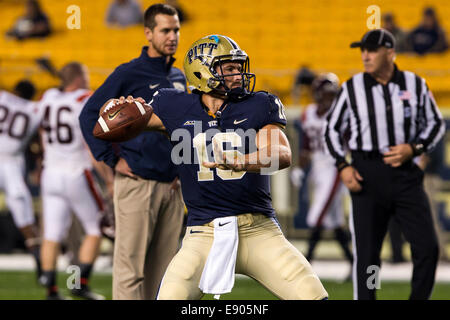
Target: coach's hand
(398, 154)
(174, 186)
(123, 168)
(351, 178)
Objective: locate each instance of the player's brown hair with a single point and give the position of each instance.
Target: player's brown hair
(153, 10)
(70, 72)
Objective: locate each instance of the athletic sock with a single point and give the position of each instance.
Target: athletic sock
(49, 281)
(344, 240)
(85, 273)
(36, 253)
(313, 240)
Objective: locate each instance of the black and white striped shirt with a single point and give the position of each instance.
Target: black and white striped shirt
(379, 116)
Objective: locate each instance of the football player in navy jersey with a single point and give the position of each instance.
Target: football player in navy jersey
(227, 140)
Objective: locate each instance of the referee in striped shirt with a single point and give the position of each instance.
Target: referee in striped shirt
(387, 117)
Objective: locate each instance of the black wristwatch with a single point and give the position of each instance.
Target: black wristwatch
(417, 148)
(341, 165)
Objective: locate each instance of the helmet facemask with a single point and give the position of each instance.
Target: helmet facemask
(218, 81)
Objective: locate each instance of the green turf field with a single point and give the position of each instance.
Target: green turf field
(22, 285)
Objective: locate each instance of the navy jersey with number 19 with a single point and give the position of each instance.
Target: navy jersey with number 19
(198, 137)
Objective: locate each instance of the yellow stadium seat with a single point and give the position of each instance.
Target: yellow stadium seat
(280, 36)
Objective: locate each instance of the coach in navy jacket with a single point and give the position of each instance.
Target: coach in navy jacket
(148, 155)
(148, 208)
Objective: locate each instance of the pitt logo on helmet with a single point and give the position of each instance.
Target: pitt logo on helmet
(193, 52)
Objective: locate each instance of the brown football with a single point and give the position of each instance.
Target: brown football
(122, 122)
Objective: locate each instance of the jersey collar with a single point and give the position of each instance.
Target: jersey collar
(159, 63)
(395, 78)
(206, 109)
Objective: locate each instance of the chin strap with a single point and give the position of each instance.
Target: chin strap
(237, 94)
(234, 95)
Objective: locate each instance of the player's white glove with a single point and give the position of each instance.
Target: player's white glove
(297, 175)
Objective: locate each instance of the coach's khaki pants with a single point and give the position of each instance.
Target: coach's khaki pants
(263, 254)
(148, 225)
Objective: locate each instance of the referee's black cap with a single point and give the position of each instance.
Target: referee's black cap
(374, 39)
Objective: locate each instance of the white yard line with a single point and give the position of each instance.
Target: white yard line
(325, 269)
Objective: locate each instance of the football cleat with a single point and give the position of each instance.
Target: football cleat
(56, 296)
(43, 280)
(86, 293)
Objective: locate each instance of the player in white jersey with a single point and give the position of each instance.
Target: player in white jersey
(19, 120)
(326, 209)
(66, 182)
